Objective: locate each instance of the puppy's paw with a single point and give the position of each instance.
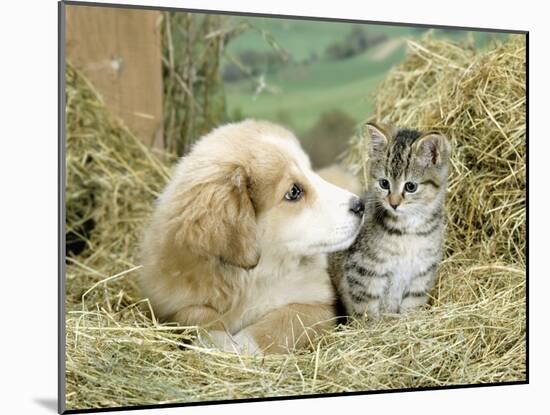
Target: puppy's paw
(214, 339)
(246, 344)
(240, 343)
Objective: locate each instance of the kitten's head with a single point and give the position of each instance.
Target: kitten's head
(407, 168)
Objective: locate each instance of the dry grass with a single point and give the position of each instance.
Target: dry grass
(194, 97)
(478, 100)
(474, 332)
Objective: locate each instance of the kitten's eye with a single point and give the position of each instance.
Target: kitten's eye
(411, 187)
(384, 184)
(295, 193)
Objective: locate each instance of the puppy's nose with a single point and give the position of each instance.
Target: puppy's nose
(357, 206)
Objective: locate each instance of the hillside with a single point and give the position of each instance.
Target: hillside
(299, 90)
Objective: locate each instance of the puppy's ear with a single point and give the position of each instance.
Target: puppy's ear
(432, 148)
(217, 218)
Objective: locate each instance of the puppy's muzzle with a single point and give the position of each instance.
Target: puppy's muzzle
(357, 206)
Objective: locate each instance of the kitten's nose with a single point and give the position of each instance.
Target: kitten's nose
(357, 206)
(394, 200)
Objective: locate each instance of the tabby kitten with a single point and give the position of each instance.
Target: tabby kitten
(393, 263)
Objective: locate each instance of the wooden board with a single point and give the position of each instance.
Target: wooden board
(119, 50)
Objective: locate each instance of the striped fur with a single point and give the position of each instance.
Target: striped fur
(393, 263)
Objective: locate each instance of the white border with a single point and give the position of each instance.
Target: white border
(28, 225)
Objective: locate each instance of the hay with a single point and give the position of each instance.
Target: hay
(112, 180)
(478, 100)
(193, 92)
(474, 332)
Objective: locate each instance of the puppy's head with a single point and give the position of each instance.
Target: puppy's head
(301, 213)
(247, 189)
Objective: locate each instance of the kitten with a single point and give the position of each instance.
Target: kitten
(393, 263)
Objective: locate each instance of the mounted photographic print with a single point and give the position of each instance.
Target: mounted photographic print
(275, 207)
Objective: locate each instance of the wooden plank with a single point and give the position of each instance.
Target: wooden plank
(119, 50)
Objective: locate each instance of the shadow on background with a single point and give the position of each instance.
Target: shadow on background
(48, 403)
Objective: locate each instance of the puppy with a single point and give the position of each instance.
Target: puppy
(238, 238)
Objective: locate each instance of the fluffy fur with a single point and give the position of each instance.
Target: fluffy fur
(227, 250)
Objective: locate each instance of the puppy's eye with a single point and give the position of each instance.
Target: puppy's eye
(411, 187)
(295, 193)
(384, 184)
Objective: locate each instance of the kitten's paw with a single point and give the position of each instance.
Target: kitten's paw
(410, 303)
(374, 317)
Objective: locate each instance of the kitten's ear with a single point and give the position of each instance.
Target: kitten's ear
(378, 137)
(433, 148)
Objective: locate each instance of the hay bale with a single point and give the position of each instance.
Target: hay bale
(478, 99)
(474, 332)
(112, 180)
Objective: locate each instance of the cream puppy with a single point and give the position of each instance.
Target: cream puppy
(238, 238)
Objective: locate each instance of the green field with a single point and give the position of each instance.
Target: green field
(308, 93)
(298, 92)
(301, 37)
